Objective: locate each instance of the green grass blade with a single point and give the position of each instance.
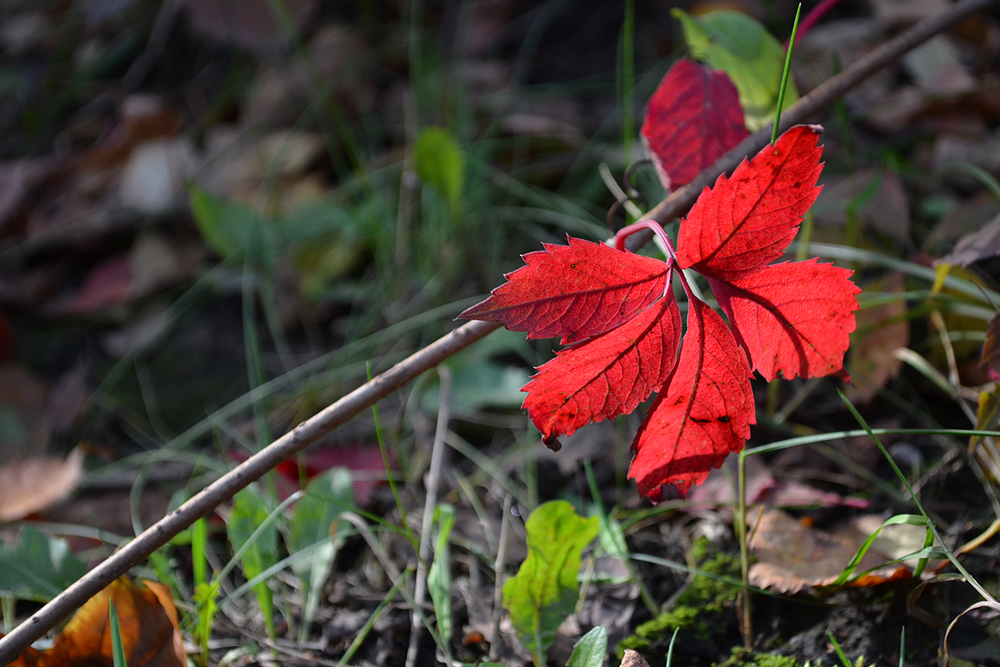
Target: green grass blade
(117, 650)
(784, 75)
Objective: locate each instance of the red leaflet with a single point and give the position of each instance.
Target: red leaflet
(575, 291)
(746, 222)
(608, 375)
(795, 318)
(693, 118)
(792, 318)
(704, 414)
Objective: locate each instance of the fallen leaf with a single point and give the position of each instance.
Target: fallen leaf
(792, 557)
(977, 246)
(902, 13)
(31, 485)
(148, 622)
(25, 427)
(251, 24)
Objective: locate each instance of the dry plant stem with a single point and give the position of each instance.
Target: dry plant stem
(225, 487)
(365, 396)
(498, 574)
(430, 502)
(683, 198)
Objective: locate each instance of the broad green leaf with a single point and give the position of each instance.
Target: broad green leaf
(38, 567)
(233, 230)
(249, 512)
(591, 650)
(314, 521)
(544, 591)
(441, 163)
(742, 48)
(483, 385)
(439, 577)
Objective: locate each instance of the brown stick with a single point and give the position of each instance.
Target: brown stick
(366, 395)
(683, 198)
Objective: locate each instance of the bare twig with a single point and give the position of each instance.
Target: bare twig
(225, 487)
(365, 396)
(431, 482)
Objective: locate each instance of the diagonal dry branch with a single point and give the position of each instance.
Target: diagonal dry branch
(369, 393)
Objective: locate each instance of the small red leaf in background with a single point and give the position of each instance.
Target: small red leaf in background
(746, 222)
(704, 414)
(577, 291)
(793, 318)
(608, 375)
(693, 118)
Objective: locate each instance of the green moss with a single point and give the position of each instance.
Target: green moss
(698, 606)
(744, 658)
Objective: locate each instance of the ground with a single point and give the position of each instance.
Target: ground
(216, 218)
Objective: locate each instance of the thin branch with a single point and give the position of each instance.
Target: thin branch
(226, 486)
(366, 395)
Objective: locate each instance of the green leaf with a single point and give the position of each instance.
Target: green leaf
(439, 577)
(313, 522)
(544, 591)
(205, 602)
(249, 512)
(38, 567)
(591, 650)
(747, 52)
(441, 164)
(233, 230)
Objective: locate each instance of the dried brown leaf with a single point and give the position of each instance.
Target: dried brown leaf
(32, 485)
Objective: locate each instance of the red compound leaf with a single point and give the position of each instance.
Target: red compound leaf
(608, 375)
(577, 291)
(746, 222)
(793, 318)
(693, 118)
(704, 413)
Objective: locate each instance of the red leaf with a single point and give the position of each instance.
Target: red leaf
(577, 291)
(746, 222)
(793, 318)
(608, 375)
(704, 414)
(693, 118)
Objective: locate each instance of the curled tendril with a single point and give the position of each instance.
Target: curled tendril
(627, 177)
(614, 209)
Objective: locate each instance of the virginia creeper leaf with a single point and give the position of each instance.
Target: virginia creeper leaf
(704, 414)
(746, 221)
(793, 318)
(576, 291)
(545, 590)
(693, 118)
(740, 46)
(618, 310)
(608, 375)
